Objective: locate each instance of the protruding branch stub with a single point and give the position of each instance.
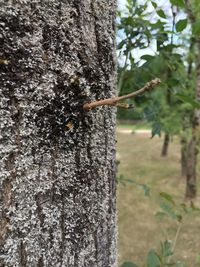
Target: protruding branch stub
(114, 101)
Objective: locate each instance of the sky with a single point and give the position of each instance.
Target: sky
(121, 4)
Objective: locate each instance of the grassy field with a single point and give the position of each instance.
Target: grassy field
(139, 229)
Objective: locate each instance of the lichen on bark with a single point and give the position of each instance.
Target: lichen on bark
(57, 162)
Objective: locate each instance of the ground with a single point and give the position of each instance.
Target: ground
(139, 229)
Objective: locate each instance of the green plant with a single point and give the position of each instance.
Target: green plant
(164, 256)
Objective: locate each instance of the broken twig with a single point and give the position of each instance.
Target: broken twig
(114, 101)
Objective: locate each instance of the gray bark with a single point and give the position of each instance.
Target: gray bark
(57, 162)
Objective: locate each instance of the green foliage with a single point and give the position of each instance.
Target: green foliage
(188, 99)
(165, 106)
(181, 25)
(122, 180)
(179, 3)
(153, 259)
(163, 257)
(174, 62)
(196, 28)
(161, 13)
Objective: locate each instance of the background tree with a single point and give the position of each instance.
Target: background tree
(152, 31)
(192, 9)
(57, 162)
(175, 110)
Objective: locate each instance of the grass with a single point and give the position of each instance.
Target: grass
(139, 229)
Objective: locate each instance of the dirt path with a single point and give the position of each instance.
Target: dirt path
(143, 132)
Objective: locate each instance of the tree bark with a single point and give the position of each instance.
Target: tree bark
(57, 162)
(165, 147)
(195, 140)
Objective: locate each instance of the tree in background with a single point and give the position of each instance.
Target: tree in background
(151, 30)
(57, 161)
(174, 109)
(193, 11)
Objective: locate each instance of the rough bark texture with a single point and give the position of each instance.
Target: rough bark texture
(57, 162)
(192, 151)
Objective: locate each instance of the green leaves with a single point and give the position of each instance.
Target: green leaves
(153, 259)
(129, 264)
(161, 13)
(179, 3)
(181, 25)
(156, 129)
(167, 197)
(196, 28)
(146, 188)
(188, 99)
(166, 248)
(147, 57)
(154, 4)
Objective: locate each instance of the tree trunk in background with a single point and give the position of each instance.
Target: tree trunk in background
(192, 150)
(184, 145)
(191, 169)
(165, 147)
(57, 163)
(187, 118)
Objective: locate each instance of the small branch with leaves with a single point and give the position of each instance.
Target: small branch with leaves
(114, 101)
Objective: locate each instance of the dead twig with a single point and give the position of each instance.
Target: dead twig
(114, 101)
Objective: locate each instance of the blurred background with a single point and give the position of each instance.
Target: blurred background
(158, 140)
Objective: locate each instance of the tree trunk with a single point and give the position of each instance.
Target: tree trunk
(191, 169)
(183, 156)
(57, 162)
(165, 147)
(187, 115)
(195, 140)
(166, 141)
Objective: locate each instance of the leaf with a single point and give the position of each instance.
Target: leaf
(121, 44)
(153, 259)
(154, 4)
(181, 25)
(188, 99)
(147, 57)
(166, 248)
(161, 13)
(196, 28)
(179, 3)
(167, 197)
(170, 212)
(129, 264)
(170, 47)
(156, 129)
(147, 190)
